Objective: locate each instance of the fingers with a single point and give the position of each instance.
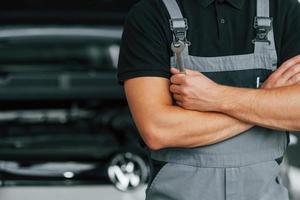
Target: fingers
(178, 79)
(289, 77)
(188, 71)
(294, 79)
(291, 72)
(192, 72)
(285, 75)
(282, 82)
(174, 70)
(175, 89)
(292, 61)
(287, 64)
(178, 97)
(176, 94)
(179, 103)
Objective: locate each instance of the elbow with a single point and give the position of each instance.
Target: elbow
(153, 139)
(295, 126)
(291, 124)
(154, 145)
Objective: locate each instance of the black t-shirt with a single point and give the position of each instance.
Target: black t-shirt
(215, 29)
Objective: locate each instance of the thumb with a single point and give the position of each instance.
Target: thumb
(188, 71)
(174, 70)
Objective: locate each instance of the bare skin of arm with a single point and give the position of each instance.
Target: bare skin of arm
(276, 105)
(162, 124)
(277, 108)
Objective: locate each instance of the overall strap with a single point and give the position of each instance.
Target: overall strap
(178, 24)
(263, 23)
(263, 8)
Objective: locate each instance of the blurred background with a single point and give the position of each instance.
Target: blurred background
(66, 131)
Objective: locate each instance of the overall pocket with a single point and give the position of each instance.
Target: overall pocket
(185, 182)
(275, 190)
(156, 172)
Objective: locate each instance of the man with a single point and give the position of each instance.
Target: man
(217, 131)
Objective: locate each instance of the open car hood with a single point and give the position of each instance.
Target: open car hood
(59, 97)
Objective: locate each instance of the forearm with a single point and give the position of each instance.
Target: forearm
(162, 124)
(277, 108)
(177, 127)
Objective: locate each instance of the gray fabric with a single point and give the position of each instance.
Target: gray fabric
(263, 8)
(173, 9)
(258, 60)
(230, 63)
(263, 47)
(251, 182)
(255, 145)
(242, 167)
(264, 22)
(175, 13)
(244, 148)
(248, 145)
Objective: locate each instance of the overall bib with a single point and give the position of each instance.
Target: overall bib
(240, 168)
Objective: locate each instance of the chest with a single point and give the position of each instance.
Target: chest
(219, 29)
(248, 60)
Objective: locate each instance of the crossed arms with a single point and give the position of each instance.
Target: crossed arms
(208, 113)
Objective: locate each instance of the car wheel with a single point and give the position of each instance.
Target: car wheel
(127, 171)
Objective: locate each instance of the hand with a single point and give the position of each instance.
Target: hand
(287, 74)
(187, 88)
(193, 90)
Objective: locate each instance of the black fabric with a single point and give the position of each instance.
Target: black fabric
(240, 78)
(215, 29)
(288, 138)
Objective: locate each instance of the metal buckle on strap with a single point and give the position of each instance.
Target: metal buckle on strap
(179, 27)
(263, 26)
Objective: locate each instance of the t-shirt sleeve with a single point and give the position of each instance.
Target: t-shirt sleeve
(144, 46)
(291, 34)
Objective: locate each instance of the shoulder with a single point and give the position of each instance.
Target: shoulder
(286, 13)
(289, 3)
(150, 18)
(147, 10)
(284, 7)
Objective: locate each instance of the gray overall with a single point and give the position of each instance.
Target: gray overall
(241, 168)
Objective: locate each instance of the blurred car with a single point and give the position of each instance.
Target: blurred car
(63, 117)
(64, 120)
